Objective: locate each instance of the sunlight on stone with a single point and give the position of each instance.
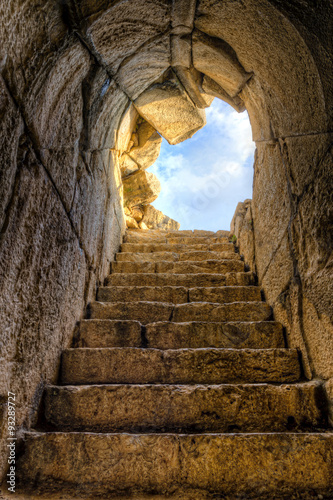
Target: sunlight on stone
(203, 178)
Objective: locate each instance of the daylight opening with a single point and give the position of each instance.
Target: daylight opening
(203, 178)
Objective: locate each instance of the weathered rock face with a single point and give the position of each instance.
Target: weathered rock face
(75, 76)
(141, 187)
(241, 232)
(155, 219)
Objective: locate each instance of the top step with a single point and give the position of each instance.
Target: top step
(188, 232)
(173, 237)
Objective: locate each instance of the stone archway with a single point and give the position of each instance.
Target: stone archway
(73, 72)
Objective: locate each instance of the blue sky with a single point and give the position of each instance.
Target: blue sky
(205, 177)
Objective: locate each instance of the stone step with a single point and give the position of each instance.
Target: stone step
(198, 334)
(108, 333)
(151, 312)
(185, 408)
(126, 365)
(191, 466)
(187, 280)
(166, 335)
(193, 267)
(184, 232)
(197, 256)
(172, 238)
(176, 247)
(179, 295)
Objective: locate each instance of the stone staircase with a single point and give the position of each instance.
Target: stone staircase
(180, 384)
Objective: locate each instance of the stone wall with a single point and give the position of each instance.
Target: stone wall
(61, 214)
(75, 76)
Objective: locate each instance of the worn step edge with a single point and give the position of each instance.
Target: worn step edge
(251, 465)
(186, 408)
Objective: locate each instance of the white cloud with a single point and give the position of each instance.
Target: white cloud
(205, 177)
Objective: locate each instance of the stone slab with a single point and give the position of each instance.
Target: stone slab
(198, 334)
(235, 464)
(178, 295)
(174, 247)
(175, 257)
(183, 408)
(168, 335)
(146, 237)
(193, 267)
(164, 279)
(108, 333)
(150, 312)
(180, 366)
(173, 294)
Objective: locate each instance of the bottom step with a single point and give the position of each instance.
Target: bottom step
(239, 465)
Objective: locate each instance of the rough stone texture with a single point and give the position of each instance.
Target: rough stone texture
(167, 335)
(126, 127)
(216, 59)
(165, 247)
(259, 25)
(164, 463)
(147, 154)
(214, 89)
(154, 57)
(124, 27)
(175, 295)
(149, 312)
(100, 333)
(155, 219)
(241, 227)
(175, 257)
(198, 334)
(168, 108)
(127, 165)
(131, 222)
(10, 120)
(192, 267)
(42, 289)
(329, 392)
(60, 211)
(179, 237)
(102, 95)
(178, 295)
(140, 188)
(183, 366)
(169, 408)
(165, 279)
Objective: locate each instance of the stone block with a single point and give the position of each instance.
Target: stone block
(168, 108)
(216, 59)
(212, 88)
(180, 366)
(125, 26)
(153, 57)
(144, 156)
(140, 188)
(155, 219)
